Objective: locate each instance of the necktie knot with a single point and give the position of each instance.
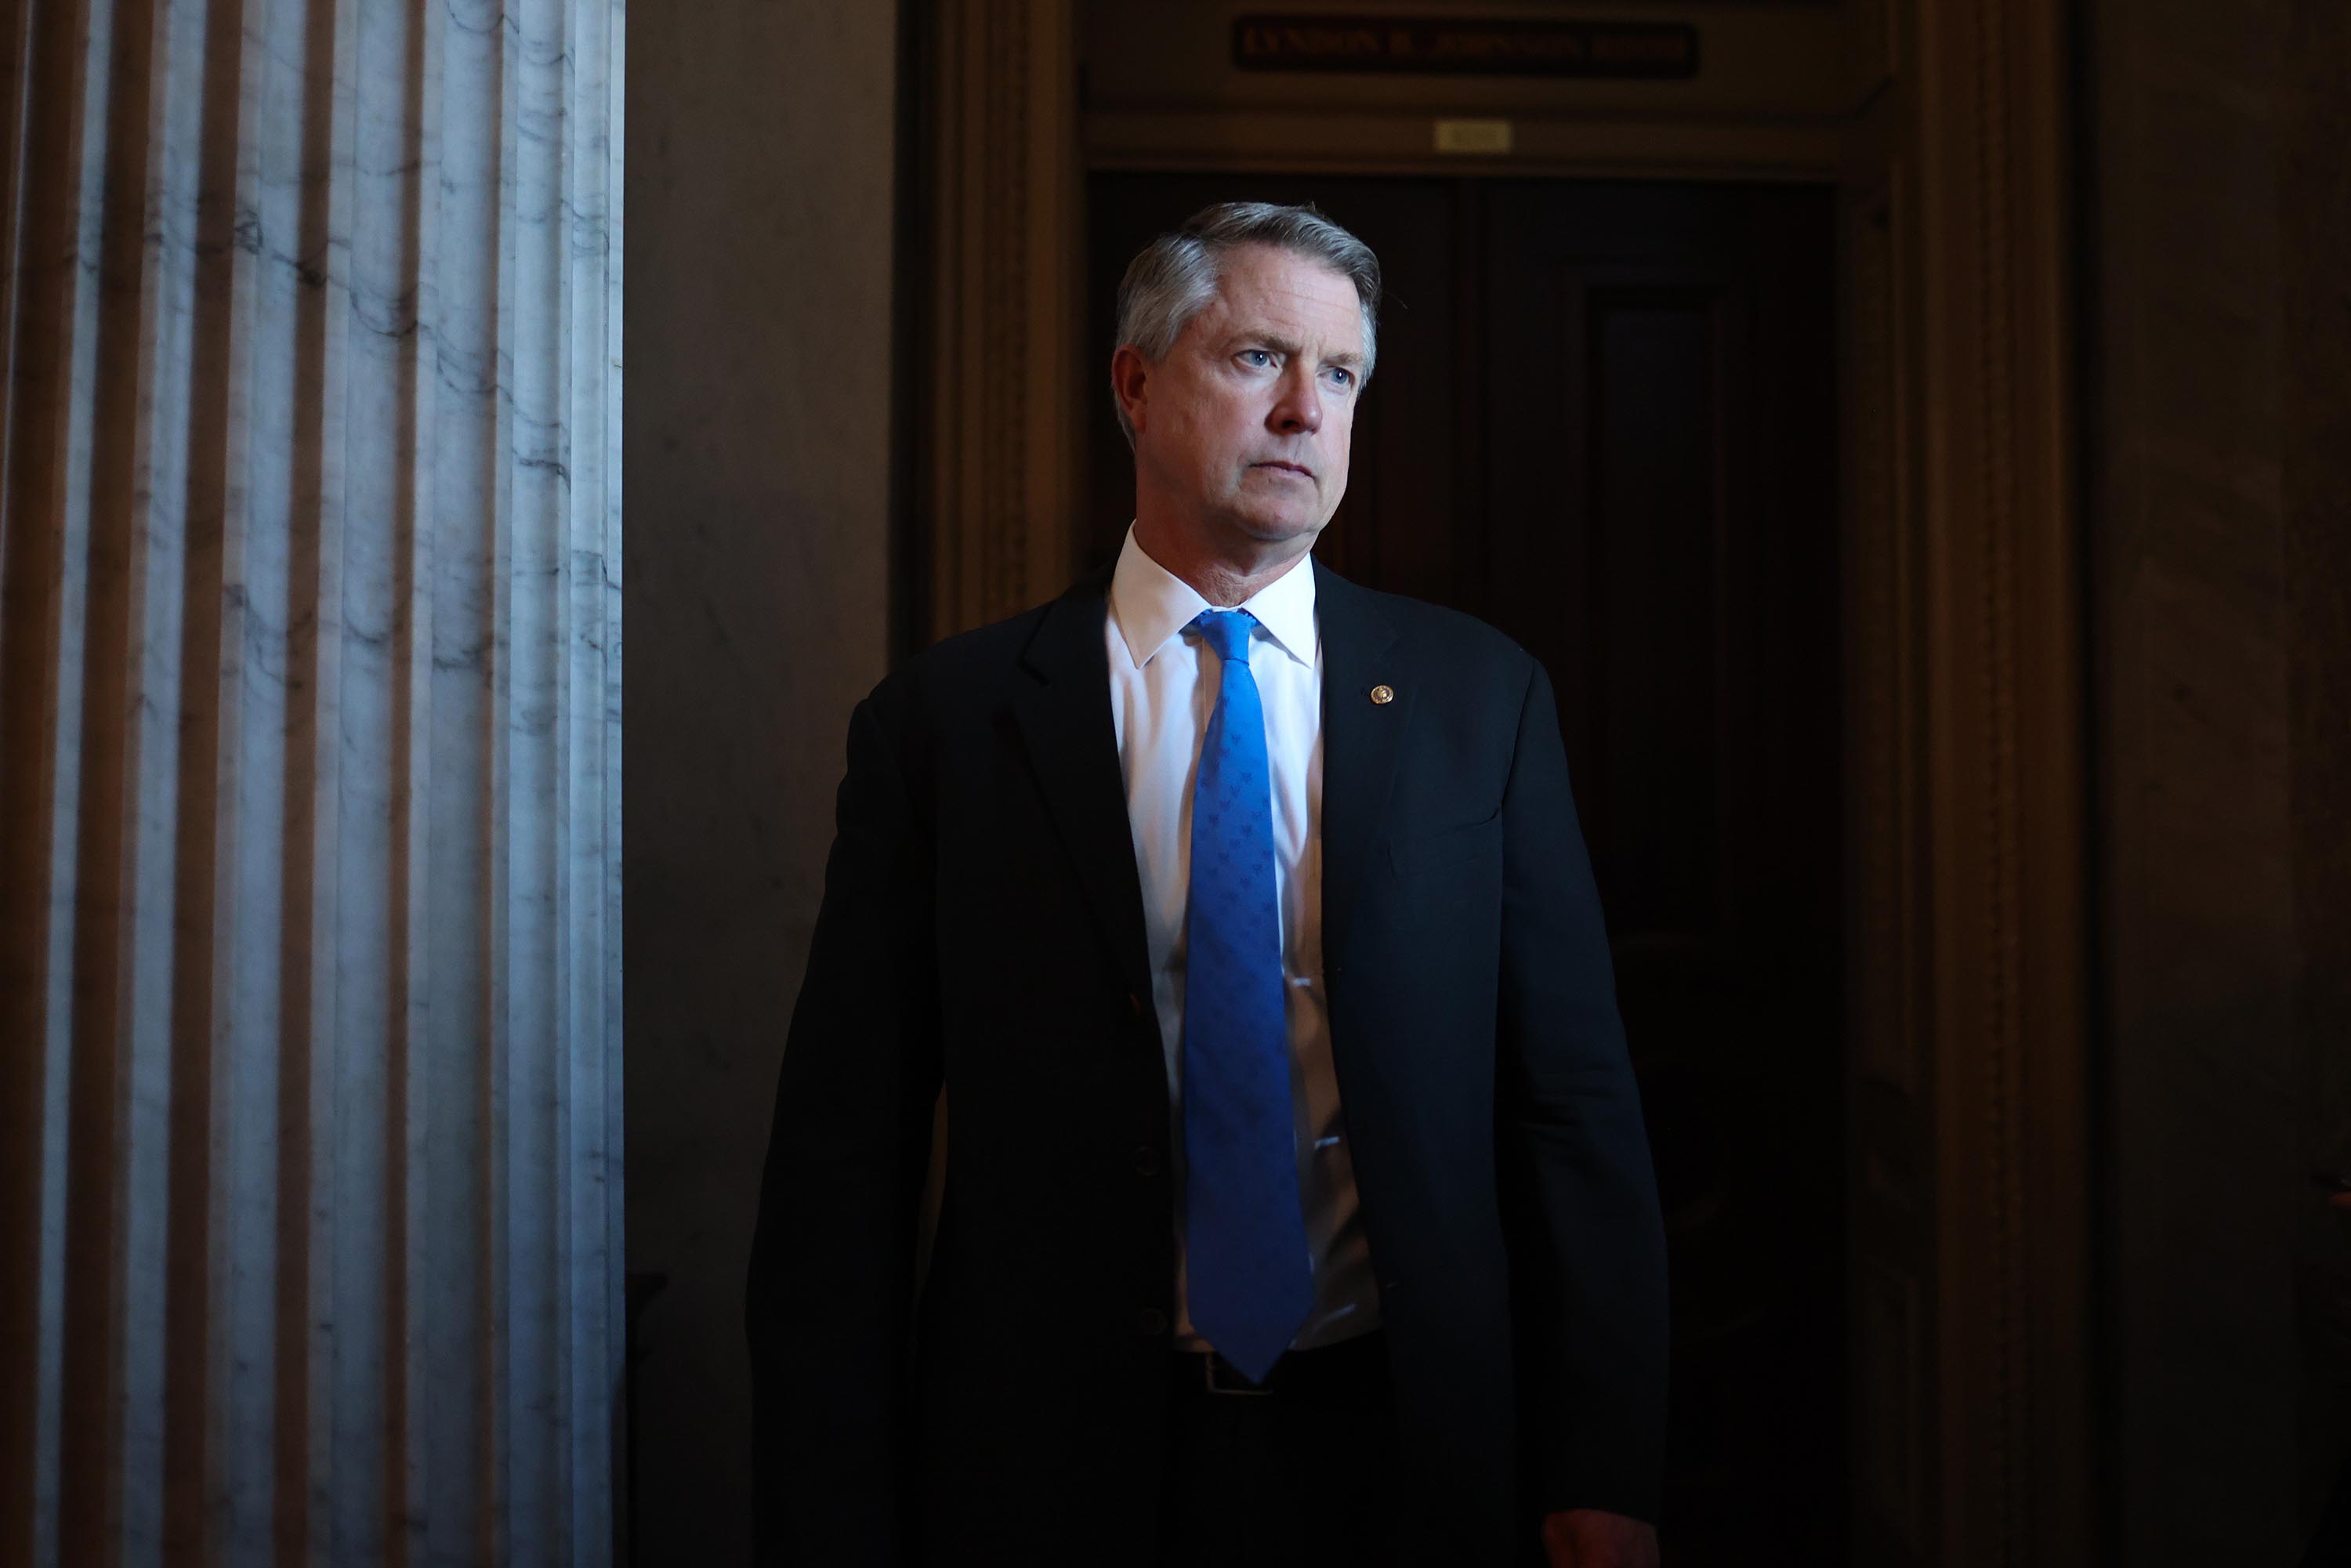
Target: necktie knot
(1227, 632)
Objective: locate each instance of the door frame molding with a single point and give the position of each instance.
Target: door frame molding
(998, 294)
(1982, 867)
(1967, 800)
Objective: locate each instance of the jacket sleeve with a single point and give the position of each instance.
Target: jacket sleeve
(1587, 1243)
(829, 1299)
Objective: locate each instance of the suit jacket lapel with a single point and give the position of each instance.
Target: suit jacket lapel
(1062, 708)
(1361, 742)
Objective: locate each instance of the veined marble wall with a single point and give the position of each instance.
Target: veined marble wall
(309, 773)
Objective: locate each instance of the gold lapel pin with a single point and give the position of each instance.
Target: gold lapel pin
(1383, 695)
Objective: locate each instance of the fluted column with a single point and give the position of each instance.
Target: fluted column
(310, 780)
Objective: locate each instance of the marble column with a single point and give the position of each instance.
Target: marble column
(310, 780)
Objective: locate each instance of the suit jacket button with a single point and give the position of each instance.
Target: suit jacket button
(1151, 1321)
(1146, 1161)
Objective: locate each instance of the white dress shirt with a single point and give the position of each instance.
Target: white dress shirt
(1164, 681)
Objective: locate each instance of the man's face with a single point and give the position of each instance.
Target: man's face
(1244, 428)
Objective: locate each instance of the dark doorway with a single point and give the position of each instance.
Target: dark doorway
(1603, 420)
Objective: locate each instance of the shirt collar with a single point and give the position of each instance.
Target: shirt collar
(1153, 605)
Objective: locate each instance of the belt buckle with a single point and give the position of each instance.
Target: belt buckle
(1208, 1364)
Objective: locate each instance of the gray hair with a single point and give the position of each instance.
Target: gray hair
(1174, 277)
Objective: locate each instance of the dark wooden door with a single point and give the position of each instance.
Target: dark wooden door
(1603, 420)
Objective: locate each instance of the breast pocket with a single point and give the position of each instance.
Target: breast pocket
(1447, 847)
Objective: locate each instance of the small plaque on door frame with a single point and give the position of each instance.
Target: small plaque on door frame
(1488, 138)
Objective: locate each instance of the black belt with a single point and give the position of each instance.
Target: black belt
(1326, 1370)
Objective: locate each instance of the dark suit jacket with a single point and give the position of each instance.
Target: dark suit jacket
(982, 923)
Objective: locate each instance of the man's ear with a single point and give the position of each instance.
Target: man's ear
(1129, 372)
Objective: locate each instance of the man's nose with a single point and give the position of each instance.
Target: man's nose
(1299, 409)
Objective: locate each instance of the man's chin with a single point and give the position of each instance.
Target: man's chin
(1279, 528)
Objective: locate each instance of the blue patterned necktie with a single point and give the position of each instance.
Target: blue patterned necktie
(1251, 1280)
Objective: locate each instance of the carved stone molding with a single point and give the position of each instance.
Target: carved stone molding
(1999, 630)
(999, 416)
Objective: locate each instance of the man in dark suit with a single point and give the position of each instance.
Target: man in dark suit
(1297, 1205)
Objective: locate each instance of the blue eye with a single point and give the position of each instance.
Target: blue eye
(1346, 378)
(1257, 356)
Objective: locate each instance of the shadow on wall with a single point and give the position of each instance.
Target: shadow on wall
(760, 188)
